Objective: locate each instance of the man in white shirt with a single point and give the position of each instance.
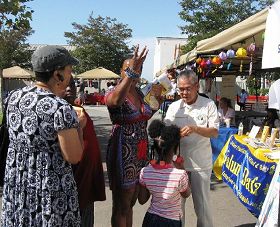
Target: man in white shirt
(199, 121)
(274, 95)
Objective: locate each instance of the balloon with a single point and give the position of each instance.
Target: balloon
(223, 56)
(216, 60)
(251, 48)
(230, 53)
(203, 63)
(198, 60)
(241, 52)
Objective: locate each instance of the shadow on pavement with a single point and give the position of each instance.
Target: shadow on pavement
(246, 225)
(216, 183)
(102, 130)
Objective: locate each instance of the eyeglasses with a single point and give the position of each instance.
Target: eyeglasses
(184, 89)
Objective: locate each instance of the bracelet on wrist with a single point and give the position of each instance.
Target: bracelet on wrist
(131, 74)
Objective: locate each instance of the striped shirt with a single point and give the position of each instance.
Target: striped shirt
(165, 186)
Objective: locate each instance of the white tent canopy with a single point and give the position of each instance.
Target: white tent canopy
(98, 73)
(247, 30)
(17, 72)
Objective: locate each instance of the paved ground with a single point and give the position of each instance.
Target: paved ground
(227, 210)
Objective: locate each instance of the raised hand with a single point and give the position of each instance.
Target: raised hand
(136, 62)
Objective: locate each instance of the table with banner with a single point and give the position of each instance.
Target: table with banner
(218, 143)
(246, 170)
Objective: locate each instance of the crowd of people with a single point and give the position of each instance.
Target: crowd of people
(54, 172)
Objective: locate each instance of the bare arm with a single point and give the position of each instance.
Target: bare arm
(70, 145)
(143, 195)
(117, 97)
(186, 193)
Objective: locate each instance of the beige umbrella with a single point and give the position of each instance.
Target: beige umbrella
(17, 72)
(98, 73)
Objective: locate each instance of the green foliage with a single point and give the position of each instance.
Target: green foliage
(206, 18)
(14, 29)
(1, 117)
(15, 15)
(102, 42)
(13, 48)
(15, 18)
(254, 82)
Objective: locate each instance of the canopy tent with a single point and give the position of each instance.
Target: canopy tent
(98, 73)
(242, 34)
(17, 72)
(247, 31)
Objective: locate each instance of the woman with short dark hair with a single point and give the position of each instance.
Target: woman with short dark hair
(45, 139)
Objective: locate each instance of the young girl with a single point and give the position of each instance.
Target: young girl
(162, 180)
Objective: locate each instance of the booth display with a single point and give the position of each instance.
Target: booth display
(218, 143)
(243, 50)
(246, 170)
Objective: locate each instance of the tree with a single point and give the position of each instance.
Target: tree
(15, 14)
(15, 18)
(13, 48)
(102, 42)
(206, 18)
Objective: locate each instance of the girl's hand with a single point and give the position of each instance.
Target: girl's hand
(136, 62)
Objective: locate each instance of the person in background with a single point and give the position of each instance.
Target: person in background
(128, 143)
(170, 96)
(110, 85)
(45, 139)
(86, 97)
(164, 182)
(242, 98)
(226, 111)
(272, 119)
(103, 91)
(199, 121)
(81, 93)
(88, 172)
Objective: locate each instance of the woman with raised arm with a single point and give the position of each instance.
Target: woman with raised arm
(128, 143)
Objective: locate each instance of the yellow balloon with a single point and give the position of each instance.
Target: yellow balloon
(241, 52)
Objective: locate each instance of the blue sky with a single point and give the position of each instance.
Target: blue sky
(147, 18)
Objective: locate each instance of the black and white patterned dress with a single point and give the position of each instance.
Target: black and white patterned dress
(39, 188)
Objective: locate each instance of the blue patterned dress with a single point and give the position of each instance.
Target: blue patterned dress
(39, 187)
(127, 147)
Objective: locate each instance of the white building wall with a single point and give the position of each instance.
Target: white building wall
(165, 50)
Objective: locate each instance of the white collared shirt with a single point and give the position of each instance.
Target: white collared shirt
(195, 148)
(274, 95)
(229, 114)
